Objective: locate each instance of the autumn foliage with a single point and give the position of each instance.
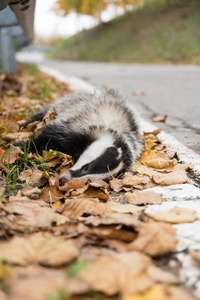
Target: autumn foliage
(89, 7)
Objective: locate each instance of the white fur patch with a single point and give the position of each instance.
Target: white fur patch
(95, 150)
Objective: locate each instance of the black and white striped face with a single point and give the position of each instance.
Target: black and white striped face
(100, 160)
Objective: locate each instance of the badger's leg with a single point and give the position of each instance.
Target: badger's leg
(38, 116)
(57, 136)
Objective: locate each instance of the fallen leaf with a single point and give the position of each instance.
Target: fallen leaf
(72, 185)
(175, 216)
(196, 256)
(115, 232)
(154, 239)
(156, 159)
(154, 293)
(112, 275)
(144, 170)
(176, 177)
(76, 207)
(126, 208)
(159, 275)
(131, 180)
(9, 156)
(48, 118)
(36, 283)
(116, 184)
(138, 93)
(112, 219)
(149, 144)
(45, 249)
(33, 215)
(159, 118)
(50, 194)
(34, 176)
(29, 191)
(160, 163)
(16, 136)
(160, 292)
(3, 296)
(143, 198)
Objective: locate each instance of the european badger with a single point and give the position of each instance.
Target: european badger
(98, 130)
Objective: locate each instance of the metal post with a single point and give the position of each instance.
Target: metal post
(7, 51)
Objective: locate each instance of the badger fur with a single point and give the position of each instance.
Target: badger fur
(99, 130)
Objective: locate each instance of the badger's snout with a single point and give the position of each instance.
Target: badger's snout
(66, 176)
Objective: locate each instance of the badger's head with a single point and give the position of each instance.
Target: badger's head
(102, 159)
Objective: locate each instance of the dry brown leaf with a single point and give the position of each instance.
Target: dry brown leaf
(116, 184)
(196, 256)
(35, 283)
(3, 296)
(160, 163)
(155, 132)
(51, 155)
(131, 180)
(143, 198)
(115, 232)
(72, 185)
(160, 292)
(11, 156)
(44, 249)
(112, 219)
(29, 191)
(33, 176)
(50, 194)
(126, 208)
(53, 163)
(93, 189)
(159, 275)
(156, 159)
(144, 170)
(178, 167)
(149, 144)
(2, 190)
(33, 215)
(159, 118)
(76, 207)
(154, 239)
(138, 93)
(175, 215)
(176, 177)
(156, 292)
(100, 193)
(48, 118)
(16, 136)
(112, 275)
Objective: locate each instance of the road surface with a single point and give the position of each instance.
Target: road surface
(166, 89)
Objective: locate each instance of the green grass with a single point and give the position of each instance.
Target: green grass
(157, 34)
(12, 171)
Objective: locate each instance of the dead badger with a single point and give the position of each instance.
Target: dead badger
(98, 130)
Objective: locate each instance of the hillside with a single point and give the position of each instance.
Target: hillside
(147, 35)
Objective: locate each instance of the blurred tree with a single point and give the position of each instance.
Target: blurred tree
(90, 7)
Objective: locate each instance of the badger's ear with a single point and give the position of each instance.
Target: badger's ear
(115, 151)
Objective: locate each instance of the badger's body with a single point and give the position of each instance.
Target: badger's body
(98, 130)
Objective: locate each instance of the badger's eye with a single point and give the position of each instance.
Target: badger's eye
(86, 167)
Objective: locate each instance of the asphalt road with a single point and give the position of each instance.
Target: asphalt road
(167, 89)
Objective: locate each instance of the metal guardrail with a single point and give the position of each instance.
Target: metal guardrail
(16, 20)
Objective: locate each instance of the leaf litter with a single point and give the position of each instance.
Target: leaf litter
(88, 235)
